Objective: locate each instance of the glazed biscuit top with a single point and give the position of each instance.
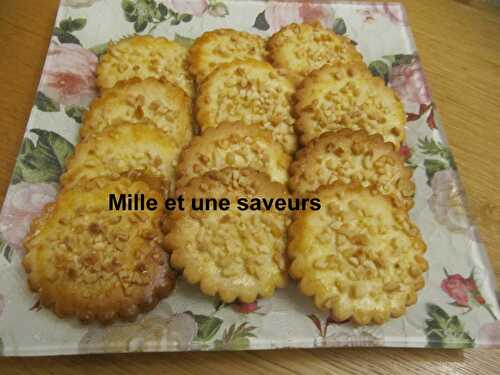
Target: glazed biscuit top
(233, 183)
(223, 46)
(251, 92)
(235, 254)
(296, 50)
(138, 151)
(356, 252)
(87, 260)
(359, 255)
(134, 101)
(143, 57)
(233, 145)
(348, 96)
(353, 157)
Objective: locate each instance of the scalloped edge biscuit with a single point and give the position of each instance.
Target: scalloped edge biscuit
(223, 46)
(148, 56)
(137, 151)
(233, 145)
(73, 280)
(269, 106)
(134, 101)
(346, 258)
(315, 117)
(233, 254)
(287, 48)
(353, 157)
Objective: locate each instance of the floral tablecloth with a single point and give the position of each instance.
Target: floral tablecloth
(457, 308)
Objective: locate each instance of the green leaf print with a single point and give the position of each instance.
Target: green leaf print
(236, 337)
(43, 162)
(163, 11)
(432, 148)
(339, 26)
(183, 40)
(129, 8)
(6, 250)
(75, 112)
(432, 166)
(380, 69)
(208, 326)
(140, 12)
(217, 8)
(444, 331)
(45, 104)
(185, 17)
(399, 59)
(144, 12)
(65, 37)
(261, 22)
(63, 32)
(69, 25)
(99, 49)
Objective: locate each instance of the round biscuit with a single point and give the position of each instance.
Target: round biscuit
(359, 256)
(251, 92)
(137, 151)
(298, 49)
(236, 254)
(233, 145)
(134, 101)
(352, 157)
(223, 46)
(87, 261)
(348, 96)
(144, 56)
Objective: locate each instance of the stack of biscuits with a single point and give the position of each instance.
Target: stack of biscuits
(83, 258)
(297, 115)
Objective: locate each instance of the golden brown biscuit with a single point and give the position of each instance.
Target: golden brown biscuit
(352, 156)
(297, 50)
(162, 103)
(251, 92)
(359, 256)
(87, 261)
(223, 46)
(237, 254)
(233, 145)
(137, 151)
(348, 96)
(144, 56)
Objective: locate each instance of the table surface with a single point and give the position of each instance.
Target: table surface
(459, 43)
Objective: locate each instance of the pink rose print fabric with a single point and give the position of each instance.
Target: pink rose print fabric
(409, 83)
(393, 13)
(24, 201)
(194, 7)
(69, 74)
(281, 13)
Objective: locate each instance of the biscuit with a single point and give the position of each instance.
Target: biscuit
(233, 145)
(296, 50)
(251, 92)
(223, 46)
(162, 103)
(98, 265)
(353, 157)
(359, 256)
(237, 254)
(144, 56)
(137, 151)
(348, 96)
